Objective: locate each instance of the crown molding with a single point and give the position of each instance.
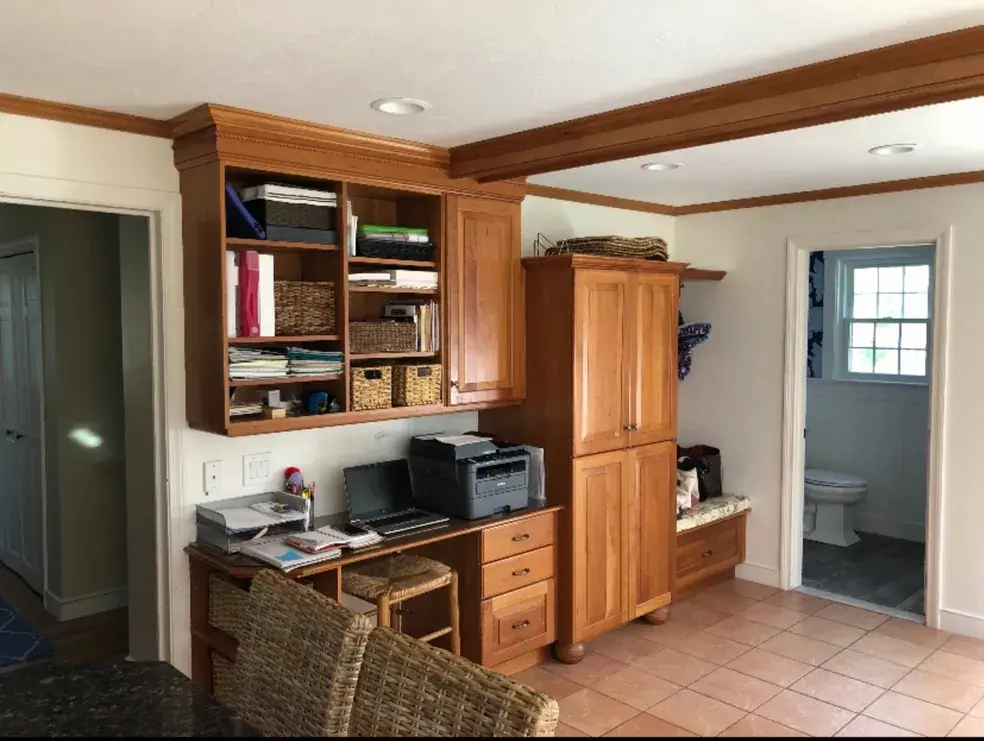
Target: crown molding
(595, 199)
(74, 114)
(934, 69)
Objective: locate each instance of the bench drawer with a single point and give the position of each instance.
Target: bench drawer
(517, 571)
(517, 537)
(517, 622)
(707, 550)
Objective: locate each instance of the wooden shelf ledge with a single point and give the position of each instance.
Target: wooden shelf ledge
(281, 380)
(356, 260)
(392, 289)
(702, 274)
(282, 339)
(391, 355)
(272, 245)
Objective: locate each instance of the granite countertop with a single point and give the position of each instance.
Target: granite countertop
(110, 698)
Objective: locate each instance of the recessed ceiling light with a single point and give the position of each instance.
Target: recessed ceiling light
(888, 149)
(660, 166)
(400, 106)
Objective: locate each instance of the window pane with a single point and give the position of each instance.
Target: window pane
(887, 335)
(861, 361)
(916, 278)
(916, 305)
(889, 305)
(862, 334)
(914, 336)
(913, 363)
(889, 280)
(866, 280)
(887, 361)
(865, 306)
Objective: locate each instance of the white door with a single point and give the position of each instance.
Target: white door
(21, 492)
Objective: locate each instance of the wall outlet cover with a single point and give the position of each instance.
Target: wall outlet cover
(256, 469)
(213, 477)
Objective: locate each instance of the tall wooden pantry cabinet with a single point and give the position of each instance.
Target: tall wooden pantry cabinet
(601, 400)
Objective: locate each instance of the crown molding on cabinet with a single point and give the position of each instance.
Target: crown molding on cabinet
(74, 114)
(934, 69)
(595, 199)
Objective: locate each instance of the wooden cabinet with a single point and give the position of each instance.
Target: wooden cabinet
(651, 517)
(653, 342)
(485, 298)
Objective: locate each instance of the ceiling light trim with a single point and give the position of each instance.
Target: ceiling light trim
(400, 106)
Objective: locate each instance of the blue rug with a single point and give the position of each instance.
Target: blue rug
(18, 640)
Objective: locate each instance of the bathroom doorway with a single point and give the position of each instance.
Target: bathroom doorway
(860, 480)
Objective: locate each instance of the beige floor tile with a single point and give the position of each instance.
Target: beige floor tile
(804, 603)
(734, 688)
(566, 731)
(622, 645)
(939, 690)
(970, 648)
(645, 725)
(907, 630)
(674, 666)
(777, 617)
(805, 714)
(593, 713)
(971, 726)
(770, 667)
(828, 631)
(755, 726)
(667, 634)
(867, 668)
(592, 668)
(844, 692)
(955, 667)
(635, 687)
(918, 716)
(744, 631)
(978, 709)
(801, 648)
(694, 616)
(892, 649)
(749, 589)
(697, 713)
(864, 619)
(727, 603)
(710, 647)
(547, 682)
(869, 727)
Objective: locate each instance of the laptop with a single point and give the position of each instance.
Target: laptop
(380, 497)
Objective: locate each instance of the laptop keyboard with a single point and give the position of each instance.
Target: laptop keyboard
(397, 519)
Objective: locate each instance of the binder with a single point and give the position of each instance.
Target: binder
(232, 293)
(267, 309)
(239, 221)
(249, 293)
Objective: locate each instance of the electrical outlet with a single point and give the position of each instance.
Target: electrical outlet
(213, 477)
(256, 469)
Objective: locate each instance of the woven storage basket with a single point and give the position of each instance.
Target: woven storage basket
(645, 248)
(384, 336)
(223, 678)
(227, 603)
(298, 215)
(372, 387)
(414, 385)
(304, 307)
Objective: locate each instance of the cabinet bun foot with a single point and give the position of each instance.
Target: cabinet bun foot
(569, 653)
(657, 617)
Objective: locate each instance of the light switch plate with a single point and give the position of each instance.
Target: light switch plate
(213, 477)
(256, 469)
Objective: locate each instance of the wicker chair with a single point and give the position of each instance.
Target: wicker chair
(298, 660)
(409, 688)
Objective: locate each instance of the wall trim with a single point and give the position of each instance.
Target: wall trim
(596, 199)
(890, 527)
(76, 114)
(962, 623)
(767, 575)
(71, 608)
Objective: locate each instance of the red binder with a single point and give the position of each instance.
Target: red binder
(249, 294)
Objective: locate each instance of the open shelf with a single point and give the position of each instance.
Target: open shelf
(281, 380)
(392, 355)
(283, 339)
(393, 289)
(701, 274)
(270, 245)
(395, 262)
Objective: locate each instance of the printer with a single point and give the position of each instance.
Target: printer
(469, 476)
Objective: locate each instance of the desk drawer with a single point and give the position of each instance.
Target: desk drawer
(517, 571)
(704, 551)
(517, 537)
(517, 622)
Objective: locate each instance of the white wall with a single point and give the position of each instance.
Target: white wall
(733, 397)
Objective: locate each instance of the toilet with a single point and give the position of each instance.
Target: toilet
(830, 497)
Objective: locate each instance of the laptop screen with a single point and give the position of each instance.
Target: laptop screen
(378, 489)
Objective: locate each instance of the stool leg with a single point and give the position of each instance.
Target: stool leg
(455, 633)
(383, 611)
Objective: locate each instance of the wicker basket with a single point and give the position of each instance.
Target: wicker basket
(227, 603)
(297, 215)
(645, 248)
(304, 307)
(223, 678)
(394, 250)
(383, 336)
(414, 385)
(372, 387)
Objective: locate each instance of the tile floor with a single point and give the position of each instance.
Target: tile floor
(742, 659)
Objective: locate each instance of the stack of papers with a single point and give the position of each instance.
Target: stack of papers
(249, 363)
(304, 362)
(278, 553)
(291, 194)
(397, 278)
(350, 541)
(243, 408)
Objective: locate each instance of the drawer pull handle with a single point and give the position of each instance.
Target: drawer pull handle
(520, 538)
(521, 572)
(705, 554)
(520, 625)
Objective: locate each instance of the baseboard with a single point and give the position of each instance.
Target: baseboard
(757, 573)
(88, 604)
(879, 525)
(964, 623)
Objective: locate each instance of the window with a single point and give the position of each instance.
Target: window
(884, 307)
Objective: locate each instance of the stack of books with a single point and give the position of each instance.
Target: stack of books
(426, 279)
(304, 362)
(427, 318)
(325, 538)
(244, 408)
(247, 363)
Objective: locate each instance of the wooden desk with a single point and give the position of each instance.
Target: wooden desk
(506, 566)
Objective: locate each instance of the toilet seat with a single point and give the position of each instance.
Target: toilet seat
(833, 479)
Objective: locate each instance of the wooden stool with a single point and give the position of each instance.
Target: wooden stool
(393, 579)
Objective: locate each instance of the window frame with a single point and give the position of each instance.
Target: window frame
(844, 262)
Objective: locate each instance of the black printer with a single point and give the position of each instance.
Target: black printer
(469, 476)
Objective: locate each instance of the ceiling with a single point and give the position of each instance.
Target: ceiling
(492, 67)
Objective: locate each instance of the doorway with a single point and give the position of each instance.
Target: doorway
(866, 326)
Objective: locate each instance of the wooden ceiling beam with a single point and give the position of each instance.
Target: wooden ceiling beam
(935, 69)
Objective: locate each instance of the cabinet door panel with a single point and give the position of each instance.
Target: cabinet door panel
(600, 594)
(601, 360)
(653, 388)
(651, 500)
(485, 302)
